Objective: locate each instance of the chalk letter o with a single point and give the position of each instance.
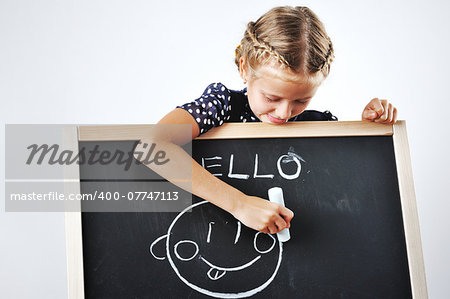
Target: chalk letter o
(289, 176)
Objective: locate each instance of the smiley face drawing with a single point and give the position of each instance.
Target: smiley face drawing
(214, 254)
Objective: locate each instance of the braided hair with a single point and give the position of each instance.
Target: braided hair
(293, 37)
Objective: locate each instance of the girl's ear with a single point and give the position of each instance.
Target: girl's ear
(243, 69)
(161, 247)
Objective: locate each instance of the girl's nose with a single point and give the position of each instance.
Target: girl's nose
(284, 110)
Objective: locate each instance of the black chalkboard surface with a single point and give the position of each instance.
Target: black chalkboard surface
(347, 236)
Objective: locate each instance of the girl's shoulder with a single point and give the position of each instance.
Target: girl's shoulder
(216, 88)
(213, 107)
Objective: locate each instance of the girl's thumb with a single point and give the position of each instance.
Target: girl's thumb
(370, 114)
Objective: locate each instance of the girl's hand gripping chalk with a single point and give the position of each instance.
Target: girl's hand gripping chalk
(276, 195)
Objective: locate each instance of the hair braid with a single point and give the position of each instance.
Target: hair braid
(329, 57)
(263, 47)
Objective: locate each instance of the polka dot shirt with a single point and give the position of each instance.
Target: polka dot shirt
(218, 105)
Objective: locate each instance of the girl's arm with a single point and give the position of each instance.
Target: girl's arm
(254, 212)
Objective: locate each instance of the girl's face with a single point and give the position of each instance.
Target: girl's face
(277, 95)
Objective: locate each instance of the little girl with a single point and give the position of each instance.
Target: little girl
(283, 58)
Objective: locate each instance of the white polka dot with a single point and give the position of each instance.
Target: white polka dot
(241, 117)
(204, 112)
(205, 121)
(244, 120)
(253, 118)
(228, 117)
(203, 105)
(209, 104)
(215, 84)
(223, 88)
(209, 90)
(198, 110)
(190, 110)
(215, 102)
(189, 105)
(221, 112)
(210, 112)
(198, 120)
(201, 130)
(229, 98)
(201, 100)
(221, 122)
(209, 121)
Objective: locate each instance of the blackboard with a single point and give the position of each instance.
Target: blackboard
(347, 236)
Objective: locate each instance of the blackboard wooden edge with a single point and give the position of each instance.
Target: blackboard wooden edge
(246, 130)
(73, 225)
(298, 129)
(409, 210)
(74, 251)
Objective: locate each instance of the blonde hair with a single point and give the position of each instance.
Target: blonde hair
(294, 37)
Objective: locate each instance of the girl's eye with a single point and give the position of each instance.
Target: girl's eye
(271, 100)
(302, 102)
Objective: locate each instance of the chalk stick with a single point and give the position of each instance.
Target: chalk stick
(276, 195)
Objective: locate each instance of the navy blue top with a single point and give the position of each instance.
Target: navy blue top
(218, 105)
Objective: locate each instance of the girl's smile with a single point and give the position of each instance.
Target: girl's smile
(276, 120)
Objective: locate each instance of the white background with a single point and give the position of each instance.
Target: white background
(126, 62)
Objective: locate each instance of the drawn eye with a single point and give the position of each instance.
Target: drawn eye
(185, 250)
(263, 243)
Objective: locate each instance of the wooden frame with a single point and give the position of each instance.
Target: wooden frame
(74, 237)
(262, 130)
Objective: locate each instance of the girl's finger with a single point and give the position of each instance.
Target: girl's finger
(377, 106)
(265, 230)
(272, 229)
(391, 113)
(281, 224)
(383, 116)
(395, 115)
(286, 214)
(372, 110)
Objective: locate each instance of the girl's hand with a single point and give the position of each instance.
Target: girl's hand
(380, 111)
(262, 215)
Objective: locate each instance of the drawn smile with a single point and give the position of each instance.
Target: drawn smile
(216, 272)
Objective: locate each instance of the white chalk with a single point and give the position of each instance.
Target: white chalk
(276, 195)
